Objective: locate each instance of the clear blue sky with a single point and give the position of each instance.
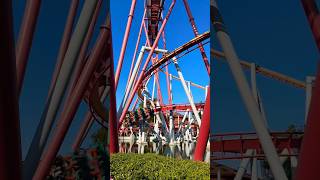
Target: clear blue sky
(178, 31)
(276, 35)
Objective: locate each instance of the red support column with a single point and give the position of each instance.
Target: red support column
(196, 33)
(124, 42)
(308, 165)
(113, 129)
(84, 48)
(136, 48)
(25, 38)
(204, 131)
(167, 72)
(72, 105)
(10, 148)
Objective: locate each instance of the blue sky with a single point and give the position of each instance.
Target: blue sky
(276, 35)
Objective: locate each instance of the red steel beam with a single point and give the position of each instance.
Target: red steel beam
(178, 107)
(242, 156)
(308, 159)
(88, 120)
(137, 46)
(79, 67)
(159, 94)
(25, 38)
(312, 13)
(113, 129)
(240, 142)
(204, 131)
(10, 147)
(124, 42)
(71, 107)
(196, 33)
(177, 51)
(84, 48)
(308, 165)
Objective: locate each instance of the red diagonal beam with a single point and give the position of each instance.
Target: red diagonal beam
(25, 38)
(308, 165)
(204, 131)
(10, 148)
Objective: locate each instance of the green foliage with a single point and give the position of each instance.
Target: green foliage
(292, 128)
(153, 166)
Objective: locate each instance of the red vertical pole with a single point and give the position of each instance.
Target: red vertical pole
(71, 107)
(114, 145)
(204, 131)
(10, 148)
(124, 42)
(125, 109)
(156, 75)
(308, 165)
(313, 16)
(25, 38)
(196, 33)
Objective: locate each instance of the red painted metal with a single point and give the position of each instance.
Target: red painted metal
(71, 107)
(114, 145)
(79, 67)
(313, 16)
(154, 11)
(308, 165)
(25, 38)
(177, 107)
(146, 33)
(134, 104)
(204, 131)
(10, 148)
(196, 33)
(239, 143)
(167, 72)
(178, 50)
(140, 79)
(124, 43)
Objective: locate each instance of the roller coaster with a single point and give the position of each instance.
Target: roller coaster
(157, 120)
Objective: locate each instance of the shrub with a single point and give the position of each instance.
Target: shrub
(153, 166)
